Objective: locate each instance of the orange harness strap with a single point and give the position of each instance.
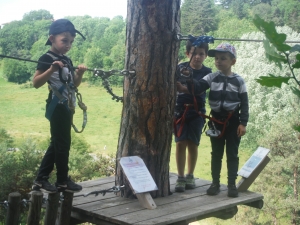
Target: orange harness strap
(181, 120)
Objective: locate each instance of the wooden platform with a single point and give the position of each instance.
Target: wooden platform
(178, 208)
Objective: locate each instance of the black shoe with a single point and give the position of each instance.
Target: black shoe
(232, 191)
(214, 189)
(68, 186)
(43, 185)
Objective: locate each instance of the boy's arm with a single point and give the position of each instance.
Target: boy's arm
(244, 117)
(78, 74)
(181, 88)
(197, 87)
(41, 77)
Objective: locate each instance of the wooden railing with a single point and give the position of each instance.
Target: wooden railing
(58, 210)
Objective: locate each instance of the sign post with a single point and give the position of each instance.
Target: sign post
(252, 168)
(140, 180)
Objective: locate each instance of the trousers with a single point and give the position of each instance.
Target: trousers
(231, 142)
(58, 151)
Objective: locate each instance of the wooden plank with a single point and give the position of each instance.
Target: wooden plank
(104, 209)
(185, 210)
(207, 210)
(120, 206)
(177, 208)
(134, 208)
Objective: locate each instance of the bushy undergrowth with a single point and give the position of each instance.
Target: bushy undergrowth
(19, 165)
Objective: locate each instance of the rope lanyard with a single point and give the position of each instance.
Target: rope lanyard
(70, 86)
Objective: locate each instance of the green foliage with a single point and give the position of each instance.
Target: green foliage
(197, 17)
(15, 71)
(282, 172)
(37, 15)
(273, 114)
(19, 167)
(272, 81)
(276, 51)
(104, 47)
(6, 139)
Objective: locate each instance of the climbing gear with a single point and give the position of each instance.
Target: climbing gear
(213, 131)
(105, 82)
(104, 75)
(71, 90)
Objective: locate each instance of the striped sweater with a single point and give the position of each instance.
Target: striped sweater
(227, 93)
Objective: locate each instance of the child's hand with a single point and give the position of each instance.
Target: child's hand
(241, 131)
(81, 69)
(55, 66)
(181, 88)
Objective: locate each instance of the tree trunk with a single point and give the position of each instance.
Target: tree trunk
(149, 97)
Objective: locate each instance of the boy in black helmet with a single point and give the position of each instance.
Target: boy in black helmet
(58, 73)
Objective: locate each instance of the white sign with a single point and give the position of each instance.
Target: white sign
(138, 174)
(256, 158)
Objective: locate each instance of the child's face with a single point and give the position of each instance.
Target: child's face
(198, 58)
(224, 61)
(61, 43)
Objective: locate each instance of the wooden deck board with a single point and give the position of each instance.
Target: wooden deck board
(190, 205)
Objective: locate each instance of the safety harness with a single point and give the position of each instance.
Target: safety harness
(60, 99)
(214, 131)
(196, 41)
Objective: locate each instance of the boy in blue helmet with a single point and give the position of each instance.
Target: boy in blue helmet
(57, 71)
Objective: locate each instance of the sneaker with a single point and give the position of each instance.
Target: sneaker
(68, 186)
(180, 184)
(190, 181)
(43, 185)
(232, 191)
(214, 189)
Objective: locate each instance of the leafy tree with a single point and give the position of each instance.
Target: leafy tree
(266, 104)
(34, 15)
(110, 36)
(280, 53)
(15, 71)
(273, 113)
(198, 17)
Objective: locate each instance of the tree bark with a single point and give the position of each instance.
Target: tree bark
(149, 97)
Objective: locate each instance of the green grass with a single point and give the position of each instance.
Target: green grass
(22, 116)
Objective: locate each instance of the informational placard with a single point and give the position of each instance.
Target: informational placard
(138, 174)
(256, 158)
